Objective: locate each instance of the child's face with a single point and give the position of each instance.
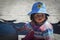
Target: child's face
(39, 18)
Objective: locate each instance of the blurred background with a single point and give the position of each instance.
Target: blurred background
(18, 9)
(14, 12)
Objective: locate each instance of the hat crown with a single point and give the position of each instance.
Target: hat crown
(37, 5)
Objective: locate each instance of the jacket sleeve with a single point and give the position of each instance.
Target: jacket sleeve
(49, 32)
(49, 35)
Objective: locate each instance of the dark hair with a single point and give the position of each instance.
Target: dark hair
(32, 16)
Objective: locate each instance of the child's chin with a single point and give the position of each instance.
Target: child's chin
(39, 22)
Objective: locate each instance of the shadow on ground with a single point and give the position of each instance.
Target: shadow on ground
(56, 28)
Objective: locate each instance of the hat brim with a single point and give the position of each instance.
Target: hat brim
(47, 14)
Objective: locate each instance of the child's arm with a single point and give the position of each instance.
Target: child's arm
(19, 28)
(49, 33)
(22, 28)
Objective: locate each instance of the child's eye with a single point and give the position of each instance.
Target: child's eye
(38, 15)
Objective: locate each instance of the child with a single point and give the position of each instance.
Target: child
(38, 28)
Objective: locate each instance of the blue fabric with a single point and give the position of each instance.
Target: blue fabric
(7, 29)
